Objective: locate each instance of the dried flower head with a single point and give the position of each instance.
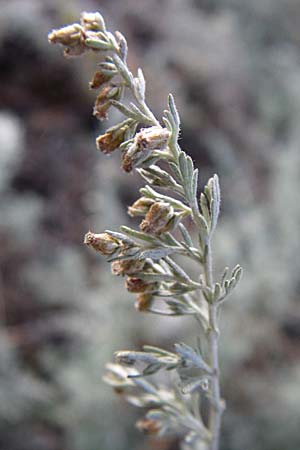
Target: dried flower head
(102, 242)
(127, 267)
(144, 143)
(149, 426)
(143, 302)
(140, 207)
(92, 21)
(152, 138)
(111, 140)
(102, 103)
(137, 285)
(159, 219)
(72, 37)
(128, 158)
(99, 79)
(69, 35)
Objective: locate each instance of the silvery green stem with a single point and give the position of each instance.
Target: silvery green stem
(136, 86)
(216, 407)
(148, 256)
(146, 110)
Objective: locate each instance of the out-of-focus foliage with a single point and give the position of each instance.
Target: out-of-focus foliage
(234, 69)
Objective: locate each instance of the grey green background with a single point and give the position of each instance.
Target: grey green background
(234, 68)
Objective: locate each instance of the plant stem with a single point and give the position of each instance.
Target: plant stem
(146, 110)
(216, 406)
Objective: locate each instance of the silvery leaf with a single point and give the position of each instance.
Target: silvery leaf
(156, 253)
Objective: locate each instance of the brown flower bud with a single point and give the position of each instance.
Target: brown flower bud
(102, 103)
(147, 140)
(69, 35)
(111, 140)
(143, 302)
(137, 285)
(140, 207)
(158, 219)
(152, 138)
(103, 242)
(92, 21)
(127, 267)
(99, 79)
(127, 161)
(149, 426)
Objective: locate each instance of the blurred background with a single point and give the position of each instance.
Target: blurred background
(234, 68)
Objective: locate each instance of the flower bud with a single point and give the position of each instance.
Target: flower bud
(127, 267)
(102, 103)
(152, 138)
(149, 426)
(92, 21)
(111, 140)
(158, 219)
(99, 79)
(128, 158)
(71, 36)
(147, 140)
(143, 302)
(140, 207)
(102, 243)
(137, 285)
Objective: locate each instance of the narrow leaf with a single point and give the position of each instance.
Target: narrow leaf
(176, 171)
(123, 70)
(186, 235)
(156, 253)
(158, 350)
(126, 111)
(142, 83)
(151, 369)
(138, 234)
(98, 44)
(173, 110)
(151, 193)
(120, 236)
(204, 207)
(195, 183)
